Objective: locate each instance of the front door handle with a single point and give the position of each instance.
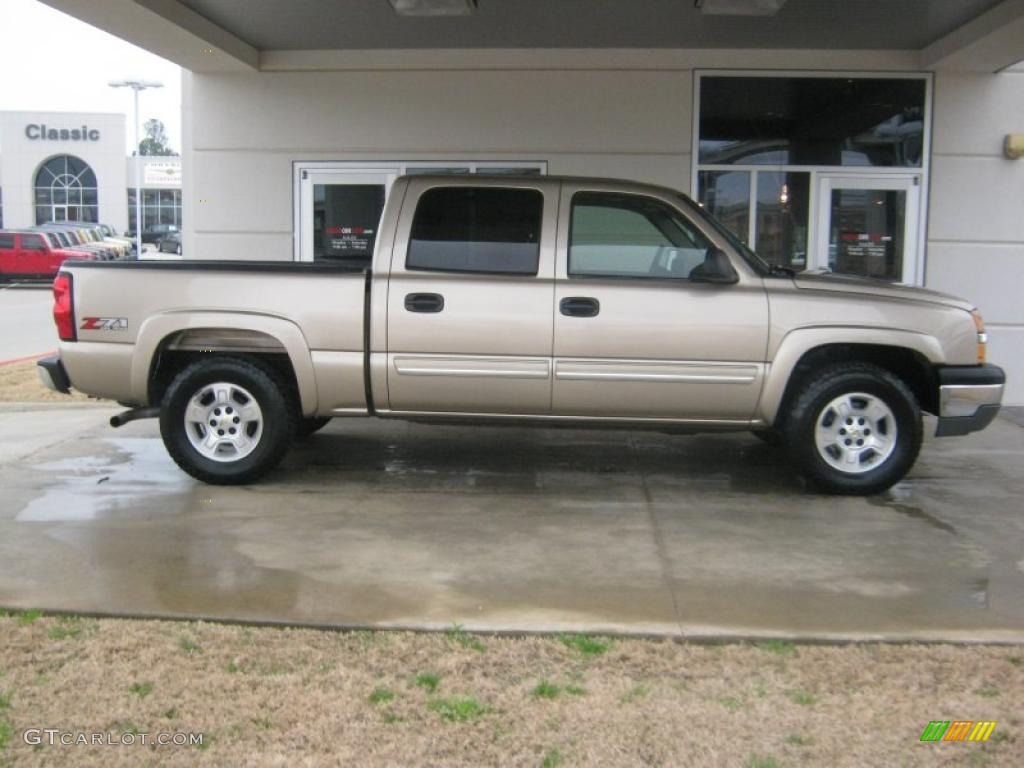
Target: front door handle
(579, 306)
(424, 302)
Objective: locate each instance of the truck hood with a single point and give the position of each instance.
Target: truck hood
(826, 281)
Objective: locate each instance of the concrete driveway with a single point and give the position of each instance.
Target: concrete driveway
(389, 524)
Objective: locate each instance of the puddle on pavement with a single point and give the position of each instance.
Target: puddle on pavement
(128, 478)
(897, 499)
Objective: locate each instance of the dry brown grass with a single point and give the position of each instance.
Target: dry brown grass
(266, 696)
(19, 383)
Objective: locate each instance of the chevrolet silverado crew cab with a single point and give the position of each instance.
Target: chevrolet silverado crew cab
(535, 299)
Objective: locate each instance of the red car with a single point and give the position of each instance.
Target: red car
(31, 254)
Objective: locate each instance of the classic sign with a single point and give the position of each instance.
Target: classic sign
(40, 132)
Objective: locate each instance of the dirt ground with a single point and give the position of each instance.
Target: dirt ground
(19, 383)
(270, 696)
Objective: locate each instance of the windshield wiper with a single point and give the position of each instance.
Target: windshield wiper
(780, 271)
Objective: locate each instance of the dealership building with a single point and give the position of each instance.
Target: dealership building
(870, 138)
(71, 166)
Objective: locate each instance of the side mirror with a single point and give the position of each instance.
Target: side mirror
(715, 269)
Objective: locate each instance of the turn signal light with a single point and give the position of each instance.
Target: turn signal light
(64, 307)
(979, 325)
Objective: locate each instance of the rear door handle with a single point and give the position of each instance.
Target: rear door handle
(424, 302)
(579, 306)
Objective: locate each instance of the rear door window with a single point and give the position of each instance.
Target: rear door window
(477, 229)
(6, 240)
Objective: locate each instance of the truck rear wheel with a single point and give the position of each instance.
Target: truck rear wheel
(854, 428)
(227, 421)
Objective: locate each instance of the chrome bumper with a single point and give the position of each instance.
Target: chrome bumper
(969, 398)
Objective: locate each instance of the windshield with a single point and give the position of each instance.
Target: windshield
(748, 255)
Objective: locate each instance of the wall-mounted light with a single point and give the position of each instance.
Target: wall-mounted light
(1013, 147)
(784, 194)
(738, 7)
(433, 7)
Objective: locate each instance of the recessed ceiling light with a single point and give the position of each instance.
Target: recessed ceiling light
(739, 7)
(433, 7)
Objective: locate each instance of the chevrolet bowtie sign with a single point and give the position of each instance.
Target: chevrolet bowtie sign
(37, 132)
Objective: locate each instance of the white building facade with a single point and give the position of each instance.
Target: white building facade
(71, 166)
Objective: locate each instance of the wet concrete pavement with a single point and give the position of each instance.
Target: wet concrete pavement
(374, 523)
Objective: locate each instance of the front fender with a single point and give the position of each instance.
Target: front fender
(157, 328)
(799, 342)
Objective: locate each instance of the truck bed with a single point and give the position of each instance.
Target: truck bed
(310, 311)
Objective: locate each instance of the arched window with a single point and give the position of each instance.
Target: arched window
(66, 191)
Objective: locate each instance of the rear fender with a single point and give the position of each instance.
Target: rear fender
(157, 329)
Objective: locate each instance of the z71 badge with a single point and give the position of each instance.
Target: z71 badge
(104, 324)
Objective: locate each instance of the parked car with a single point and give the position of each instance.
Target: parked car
(543, 300)
(82, 236)
(154, 232)
(72, 240)
(97, 233)
(61, 240)
(170, 243)
(32, 255)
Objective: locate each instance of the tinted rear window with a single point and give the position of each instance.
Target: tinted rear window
(477, 229)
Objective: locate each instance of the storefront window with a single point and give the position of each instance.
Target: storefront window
(159, 206)
(65, 190)
(834, 121)
(772, 150)
(782, 208)
(726, 196)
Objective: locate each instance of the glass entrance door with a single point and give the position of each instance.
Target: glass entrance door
(868, 225)
(340, 215)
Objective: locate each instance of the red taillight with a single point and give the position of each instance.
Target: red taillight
(64, 307)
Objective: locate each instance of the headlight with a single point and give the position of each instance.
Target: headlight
(979, 325)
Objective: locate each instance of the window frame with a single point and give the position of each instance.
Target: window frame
(923, 173)
(627, 193)
(500, 273)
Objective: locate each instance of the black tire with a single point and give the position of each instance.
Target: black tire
(307, 427)
(277, 425)
(871, 474)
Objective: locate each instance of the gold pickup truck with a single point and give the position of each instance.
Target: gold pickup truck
(534, 299)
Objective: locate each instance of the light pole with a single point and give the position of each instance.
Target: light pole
(137, 85)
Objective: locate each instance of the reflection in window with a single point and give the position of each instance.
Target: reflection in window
(836, 121)
(618, 235)
(782, 216)
(477, 229)
(428, 171)
(159, 206)
(726, 196)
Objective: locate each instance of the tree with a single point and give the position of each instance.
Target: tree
(155, 142)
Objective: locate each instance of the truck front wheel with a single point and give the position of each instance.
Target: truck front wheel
(854, 428)
(226, 421)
